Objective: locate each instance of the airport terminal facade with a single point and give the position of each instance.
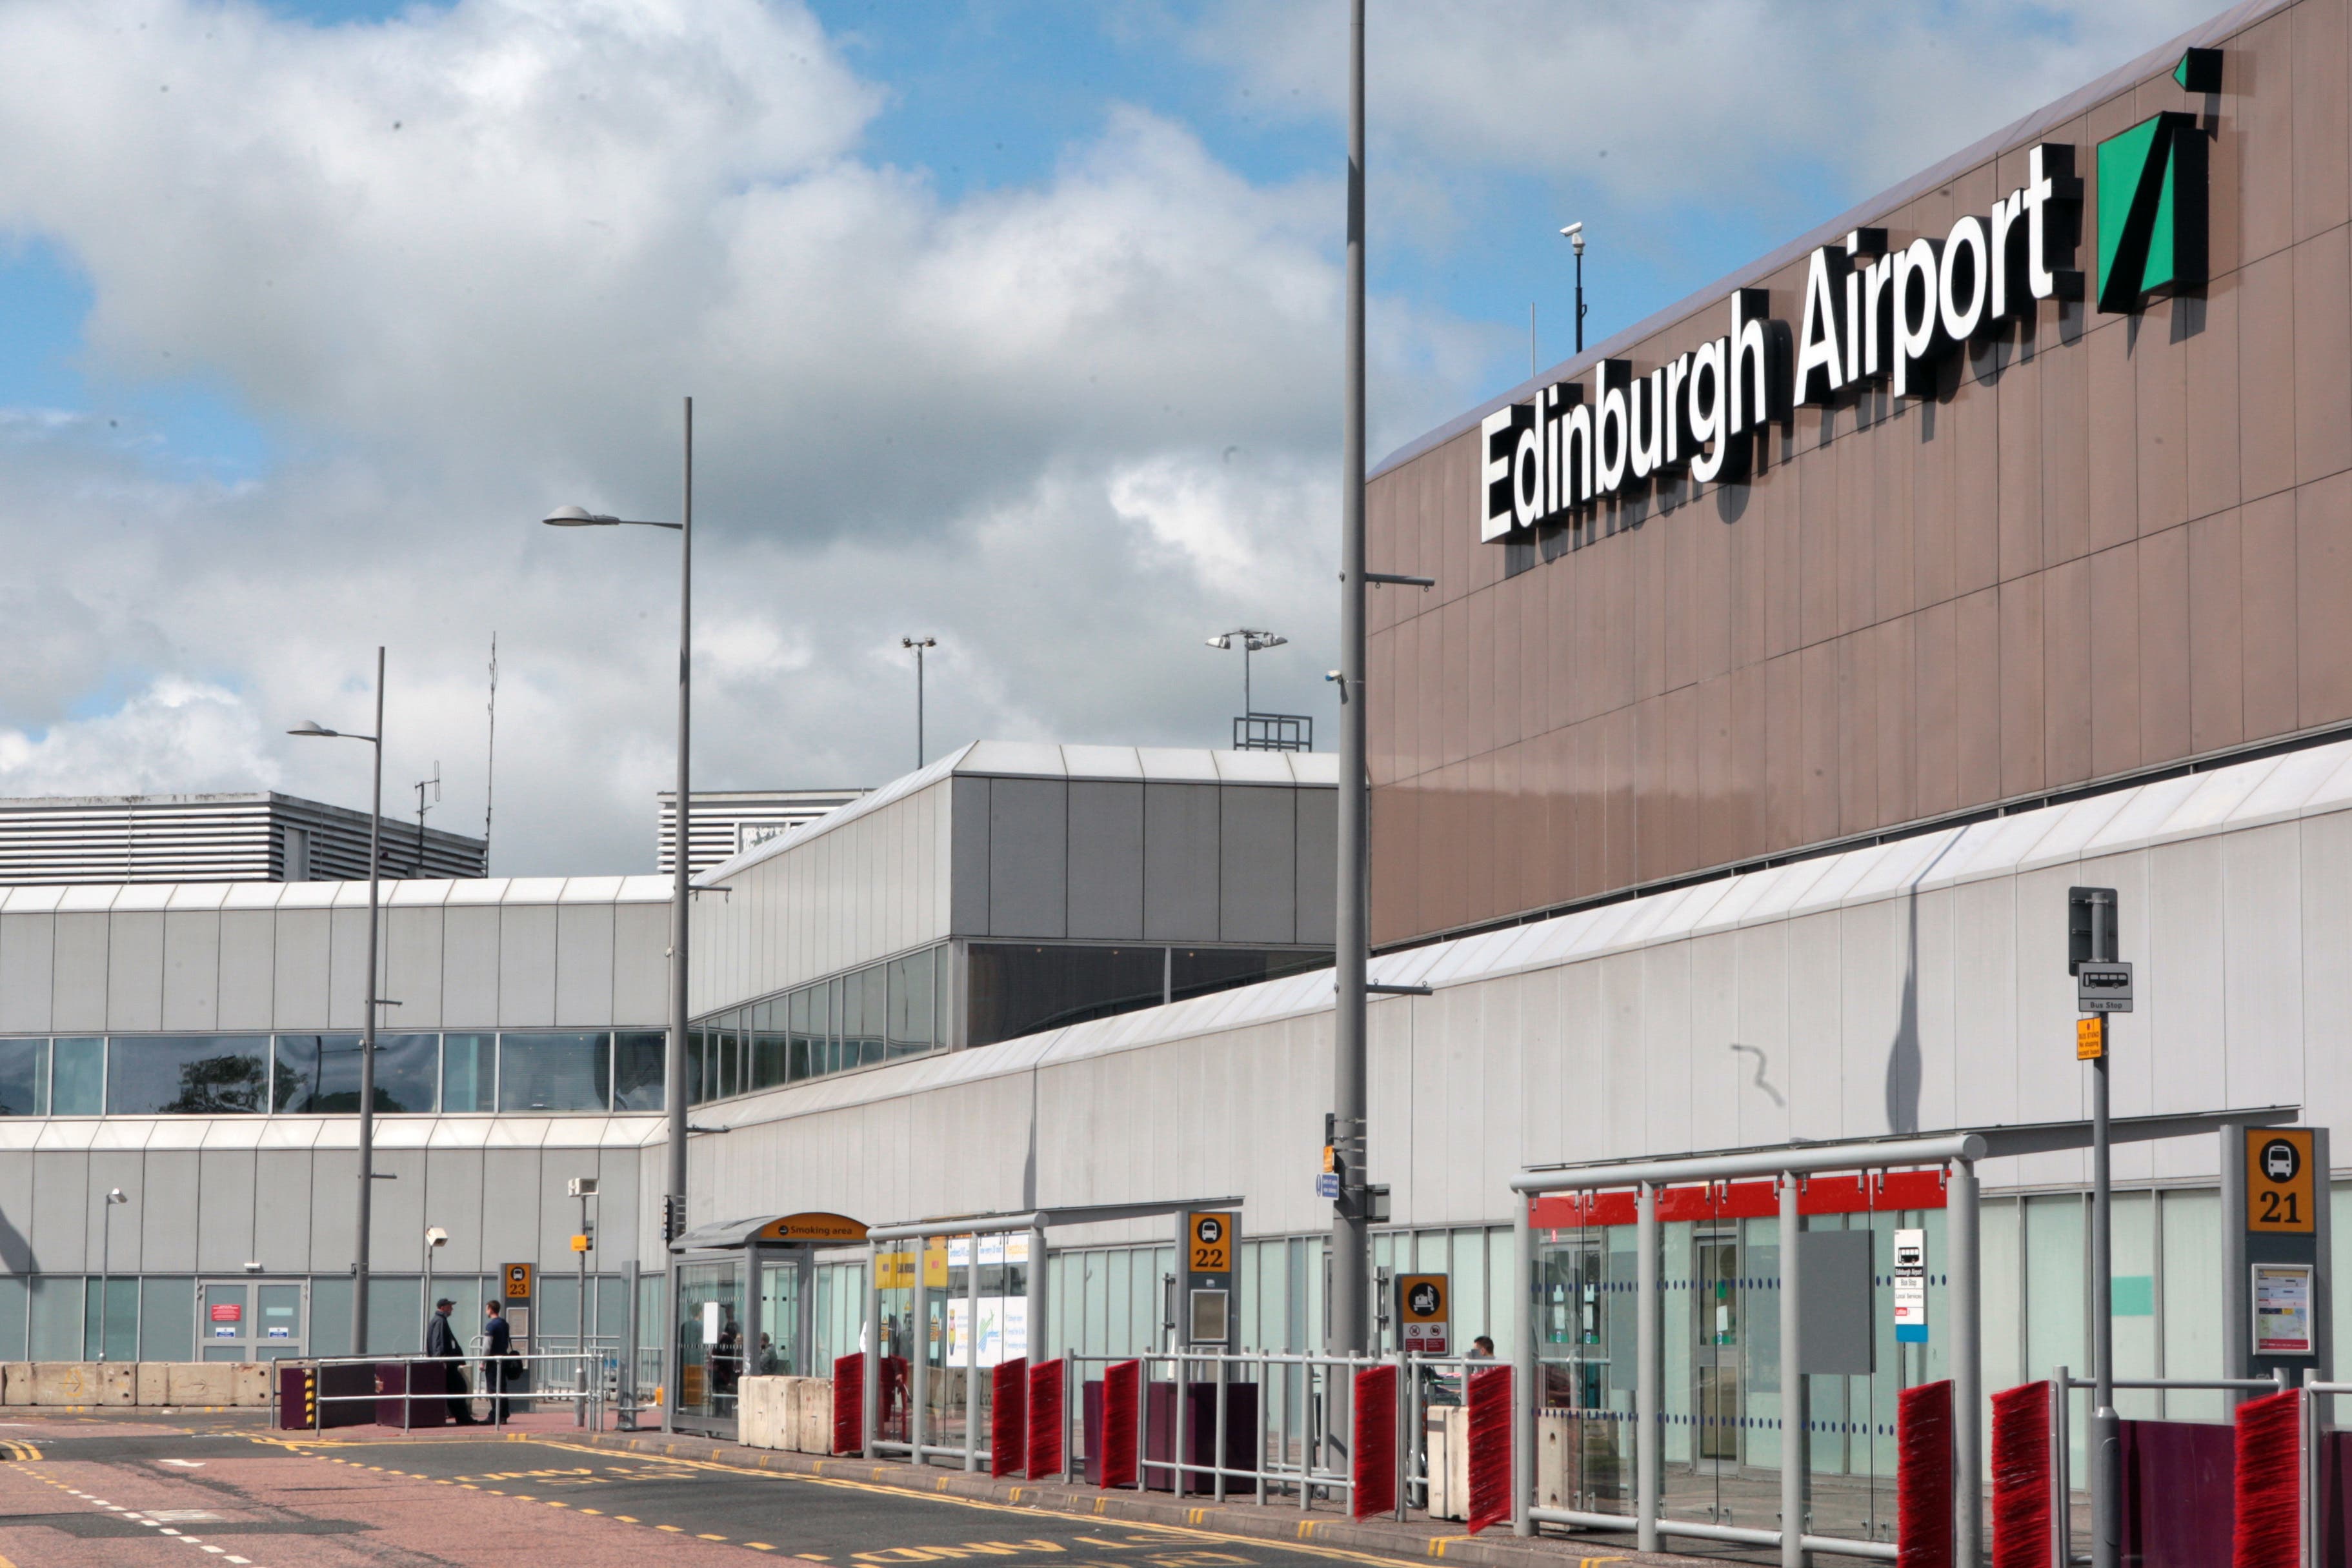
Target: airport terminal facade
(1791, 654)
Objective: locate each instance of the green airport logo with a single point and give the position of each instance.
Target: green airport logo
(2152, 210)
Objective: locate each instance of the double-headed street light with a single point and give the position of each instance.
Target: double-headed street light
(1574, 234)
(1252, 642)
(310, 728)
(917, 645)
(674, 1077)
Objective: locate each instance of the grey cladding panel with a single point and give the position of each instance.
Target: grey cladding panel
(453, 1200)
(247, 940)
(1318, 865)
(1257, 854)
(583, 964)
(78, 985)
(412, 966)
(134, 971)
(640, 966)
(1180, 862)
(334, 1178)
(1834, 1274)
(15, 1211)
(396, 1229)
(113, 1170)
(300, 971)
(1106, 862)
(28, 945)
(617, 1209)
(281, 1212)
(169, 1224)
(192, 969)
(1028, 857)
(526, 965)
(60, 1211)
(470, 966)
(225, 1210)
(509, 1207)
(967, 857)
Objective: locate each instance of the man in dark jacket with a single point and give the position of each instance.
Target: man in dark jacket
(441, 1344)
(497, 1350)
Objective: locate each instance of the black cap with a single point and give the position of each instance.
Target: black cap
(444, 1301)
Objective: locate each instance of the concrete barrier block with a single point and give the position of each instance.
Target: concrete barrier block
(17, 1383)
(199, 1384)
(813, 1428)
(65, 1383)
(155, 1382)
(759, 1412)
(117, 1381)
(251, 1386)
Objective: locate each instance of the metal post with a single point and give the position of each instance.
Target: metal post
(1525, 1395)
(2106, 1430)
(367, 1039)
(971, 1356)
(1796, 1440)
(2062, 1515)
(682, 838)
(869, 1395)
(1351, 1234)
(106, 1264)
(1579, 299)
(636, 1342)
(918, 703)
(919, 1355)
(1963, 1295)
(1034, 1336)
(428, 1324)
(1647, 1367)
(580, 1323)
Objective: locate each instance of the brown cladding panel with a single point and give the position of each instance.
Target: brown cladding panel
(1716, 818)
(2322, 187)
(2113, 433)
(1818, 679)
(1857, 732)
(2210, 399)
(2267, 612)
(1893, 727)
(2066, 672)
(2323, 574)
(2065, 448)
(2323, 355)
(1935, 711)
(2259, 74)
(1477, 693)
(1784, 750)
(2266, 416)
(2217, 695)
(1680, 710)
(2023, 684)
(2113, 694)
(1978, 698)
(1975, 524)
(2160, 364)
(2019, 395)
(2164, 691)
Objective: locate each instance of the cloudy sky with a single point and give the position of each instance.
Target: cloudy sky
(1009, 321)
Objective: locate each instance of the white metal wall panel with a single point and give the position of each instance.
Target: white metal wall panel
(470, 966)
(347, 969)
(77, 984)
(1180, 862)
(225, 1217)
(192, 969)
(334, 1216)
(1763, 1038)
(641, 965)
(27, 959)
(171, 1217)
(248, 942)
(412, 966)
(559, 1212)
(1257, 864)
(453, 1188)
(1714, 969)
(511, 1198)
(114, 1245)
(396, 1228)
(281, 1212)
(526, 965)
(61, 1234)
(17, 1213)
(300, 970)
(134, 971)
(583, 964)
(2262, 922)
(616, 1209)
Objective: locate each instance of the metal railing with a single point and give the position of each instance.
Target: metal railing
(590, 1383)
(2062, 1442)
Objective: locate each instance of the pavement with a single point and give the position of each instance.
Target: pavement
(138, 1488)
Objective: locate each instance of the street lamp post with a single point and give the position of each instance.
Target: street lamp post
(436, 1239)
(674, 1077)
(1252, 642)
(312, 729)
(106, 1260)
(1574, 234)
(919, 645)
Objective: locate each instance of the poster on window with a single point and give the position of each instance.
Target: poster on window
(1004, 1330)
(2282, 1322)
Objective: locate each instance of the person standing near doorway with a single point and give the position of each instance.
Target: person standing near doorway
(498, 1351)
(441, 1345)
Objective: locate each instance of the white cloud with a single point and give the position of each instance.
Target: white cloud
(174, 736)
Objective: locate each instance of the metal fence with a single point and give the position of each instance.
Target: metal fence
(590, 1383)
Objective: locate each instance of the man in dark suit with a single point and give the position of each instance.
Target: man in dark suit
(441, 1344)
(498, 1351)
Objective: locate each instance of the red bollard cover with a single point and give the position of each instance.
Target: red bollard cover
(2269, 1531)
(1121, 1389)
(848, 1403)
(1489, 1400)
(1008, 1418)
(2020, 1477)
(1371, 1455)
(1045, 1420)
(1923, 1476)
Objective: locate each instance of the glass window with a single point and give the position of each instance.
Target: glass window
(468, 1072)
(767, 1045)
(910, 1004)
(727, 1036)
(872, 1041)
(23, 1077)
(77, 1076)
(698, 1045)
(1198, 971)
(1021, 988)
(638, 1058)
(555, 1072)
(833, 1025)
(321, 1073)
(796, 1065)
(188, 1075)
(853, 1022)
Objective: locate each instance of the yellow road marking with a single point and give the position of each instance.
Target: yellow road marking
(710, 1538)
(674, 1530)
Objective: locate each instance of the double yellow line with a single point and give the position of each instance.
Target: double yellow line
(23, 1453)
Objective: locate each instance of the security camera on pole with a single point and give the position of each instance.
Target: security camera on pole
(2102, 985)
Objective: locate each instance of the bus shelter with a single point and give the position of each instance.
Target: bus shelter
(745, 1306)
(1822, 1234)
(951, 1299)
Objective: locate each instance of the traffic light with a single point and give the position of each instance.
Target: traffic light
(673, 1218)
(2089, 938)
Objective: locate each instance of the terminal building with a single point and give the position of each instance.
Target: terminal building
(1791, 654)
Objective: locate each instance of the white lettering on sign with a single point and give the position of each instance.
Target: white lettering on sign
(1911, 1286)
(1873, 314)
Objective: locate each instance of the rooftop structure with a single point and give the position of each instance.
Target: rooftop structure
(728, 822)
(251, 836)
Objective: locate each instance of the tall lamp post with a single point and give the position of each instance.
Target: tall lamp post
(919, 645)
(1574, 234)
(1252, 642)
(436, 1239)
(106, 1262)
(312, 728)
(674, 1077)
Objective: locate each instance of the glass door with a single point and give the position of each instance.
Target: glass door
(252, 1319)
(782, 1290)
(710, 1347)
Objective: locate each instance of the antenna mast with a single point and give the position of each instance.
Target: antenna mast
(489, 767)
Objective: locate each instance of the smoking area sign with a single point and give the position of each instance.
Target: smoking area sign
(1424, 1310)
(2278, 1185)
(1911, 1286)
